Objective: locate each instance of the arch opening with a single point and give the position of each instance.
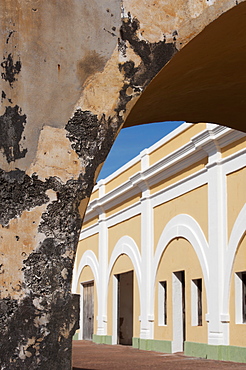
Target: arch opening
(186, 300)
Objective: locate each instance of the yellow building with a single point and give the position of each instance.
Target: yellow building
(161, 261)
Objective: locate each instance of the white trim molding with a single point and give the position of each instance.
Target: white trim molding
(183, 226)
(126, 245)
(88, 259)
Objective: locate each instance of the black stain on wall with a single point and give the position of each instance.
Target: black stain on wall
(154, 57)
(48, 313)
(11, 69)
(12, 124)
(38, 335)
(92, 138)
(43, 268)
(19, 192)
(3, 96)
(9, 35)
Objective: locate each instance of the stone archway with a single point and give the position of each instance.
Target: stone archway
(71, 74)
(205, 80)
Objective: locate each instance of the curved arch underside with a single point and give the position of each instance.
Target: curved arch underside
(205, 81)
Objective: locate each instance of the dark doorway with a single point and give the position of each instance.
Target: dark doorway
(125, 308)
(88, 310)
(244, 295)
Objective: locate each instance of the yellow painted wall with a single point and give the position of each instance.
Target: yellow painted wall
(179, 176)
(233, 147)
(88, 223)
(237, 331)
(194, 203)
(94, 195)
(124, 264)
(236, 195)
(180, 255)
(90, 243)
(86, 276)
(176, 142)
(131, 227)
(123, 177)
(123, 205)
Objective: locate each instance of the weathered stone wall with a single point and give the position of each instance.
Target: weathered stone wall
(48, 161)
(70, 72)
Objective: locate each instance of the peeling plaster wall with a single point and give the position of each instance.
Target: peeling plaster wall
(70, 73)
(48, 50)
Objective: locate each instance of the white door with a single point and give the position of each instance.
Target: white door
(178, 293)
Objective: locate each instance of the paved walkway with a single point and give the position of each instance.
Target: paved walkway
(90, 356)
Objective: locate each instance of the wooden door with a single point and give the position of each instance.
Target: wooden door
(88, 310)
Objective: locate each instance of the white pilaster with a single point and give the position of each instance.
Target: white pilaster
(217, 236)
(103, 267)
(147, 317)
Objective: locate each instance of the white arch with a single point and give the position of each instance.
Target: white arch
(88, 259)
(238, 230)
(126, 245)
(183, 226)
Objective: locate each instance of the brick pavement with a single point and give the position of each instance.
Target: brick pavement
(90, 356)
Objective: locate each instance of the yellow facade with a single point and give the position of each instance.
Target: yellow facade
(125, 204)
(90, 222)
(122, 177)
(175, 223)
(94, 195)
(179, 176)
(131, 227)
(175, 143)
(90, 243)
(233, 147)
(190, 203)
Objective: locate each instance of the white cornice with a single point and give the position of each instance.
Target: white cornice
(222, 135)
(196, 149)
(145, 151)
(172, 191)
(111, 199)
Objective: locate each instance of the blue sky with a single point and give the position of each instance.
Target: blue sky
(131, 141)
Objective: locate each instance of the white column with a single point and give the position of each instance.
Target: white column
(103, 266)
(147, 317)
(217, 236)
